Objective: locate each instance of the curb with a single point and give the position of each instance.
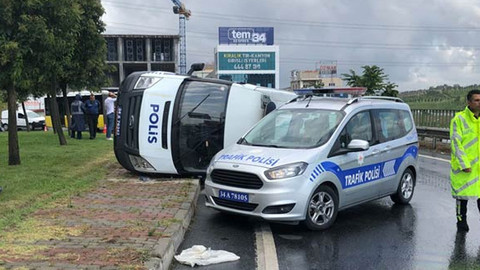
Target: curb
(164, 250)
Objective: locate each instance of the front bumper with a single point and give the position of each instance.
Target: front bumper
(276, 196)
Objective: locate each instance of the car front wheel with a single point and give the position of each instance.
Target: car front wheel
(322, 209)
(405, 188)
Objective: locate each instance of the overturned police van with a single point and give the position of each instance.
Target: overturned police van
(174, 124)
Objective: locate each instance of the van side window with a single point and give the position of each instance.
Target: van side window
(358, 127)
(391, 124)
(406, 120)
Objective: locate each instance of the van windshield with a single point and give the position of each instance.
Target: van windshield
(33, 115)
(294, 128)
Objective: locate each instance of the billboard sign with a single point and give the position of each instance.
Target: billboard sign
(245, 35)
(327, 69)
(246, 61)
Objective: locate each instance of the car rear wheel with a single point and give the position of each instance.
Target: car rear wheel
(5, 127)
(322, 209)
(405, 188)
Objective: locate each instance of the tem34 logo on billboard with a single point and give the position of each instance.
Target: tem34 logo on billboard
(246, 35)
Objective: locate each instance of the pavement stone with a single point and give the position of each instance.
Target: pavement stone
(122, 223)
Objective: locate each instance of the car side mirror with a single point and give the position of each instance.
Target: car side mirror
(358, 145)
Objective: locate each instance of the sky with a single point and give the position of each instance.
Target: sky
(418, 44)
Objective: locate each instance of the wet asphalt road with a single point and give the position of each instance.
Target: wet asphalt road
(375, 235)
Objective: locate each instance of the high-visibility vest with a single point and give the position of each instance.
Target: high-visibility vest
(464, 134)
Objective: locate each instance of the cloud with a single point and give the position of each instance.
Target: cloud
(418, 43)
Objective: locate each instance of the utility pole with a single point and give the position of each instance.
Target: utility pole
(183, 14)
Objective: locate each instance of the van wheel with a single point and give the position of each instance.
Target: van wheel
(322, 209)
(405, 188)
(5, 127)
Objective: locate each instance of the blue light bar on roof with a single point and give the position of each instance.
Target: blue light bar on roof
(338, 91)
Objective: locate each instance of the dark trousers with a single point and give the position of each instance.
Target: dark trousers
(461, 210)
(79, 134)
(92, 121)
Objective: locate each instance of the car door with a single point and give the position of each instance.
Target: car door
(21, 120)
(390, 126)
(357, 170)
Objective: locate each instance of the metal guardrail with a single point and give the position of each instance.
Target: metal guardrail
(434, 133)
(433, 118)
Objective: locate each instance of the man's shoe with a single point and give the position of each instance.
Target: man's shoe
(462, 227)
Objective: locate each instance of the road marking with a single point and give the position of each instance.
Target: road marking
(266, 251)
(436, 158)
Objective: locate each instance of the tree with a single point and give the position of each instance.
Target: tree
(14, 74)
(40, 46)
(318, 84)
(353, 79)
(390, 90)
(372, 78)
(87, 68)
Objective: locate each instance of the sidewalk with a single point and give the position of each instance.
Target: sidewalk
(124, 223)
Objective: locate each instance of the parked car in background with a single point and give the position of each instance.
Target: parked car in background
(35, 120)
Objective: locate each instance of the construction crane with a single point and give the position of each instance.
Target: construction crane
(183, 14)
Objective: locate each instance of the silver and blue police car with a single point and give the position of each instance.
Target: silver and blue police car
(315, 156)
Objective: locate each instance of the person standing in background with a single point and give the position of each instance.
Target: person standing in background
(110, 112)
(78, 121)
(92, 107)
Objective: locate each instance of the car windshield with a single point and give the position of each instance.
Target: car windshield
(33, 115)
(294, 128)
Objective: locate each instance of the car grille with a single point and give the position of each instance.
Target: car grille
(236, 179)
(235, 205)
(131, 118)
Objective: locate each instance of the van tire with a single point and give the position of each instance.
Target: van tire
(322, 208)
(405, 188)
(5, 127)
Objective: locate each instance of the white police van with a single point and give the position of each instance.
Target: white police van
(315, 156)
(175, 124)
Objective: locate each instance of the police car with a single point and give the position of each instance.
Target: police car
(315, 156)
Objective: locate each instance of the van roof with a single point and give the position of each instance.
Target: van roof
(338, 104)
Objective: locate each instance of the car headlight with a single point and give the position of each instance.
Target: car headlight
(286, 171)
(210, 166)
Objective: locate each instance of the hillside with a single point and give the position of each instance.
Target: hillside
(443, 97)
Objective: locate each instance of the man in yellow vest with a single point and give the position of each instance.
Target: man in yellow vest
(465, 166)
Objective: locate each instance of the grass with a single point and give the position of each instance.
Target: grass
(48, 172)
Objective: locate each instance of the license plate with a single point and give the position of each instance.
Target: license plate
(117, 122)
(233, 196)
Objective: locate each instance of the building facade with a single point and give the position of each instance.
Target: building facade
(311, 79)
(130, 53)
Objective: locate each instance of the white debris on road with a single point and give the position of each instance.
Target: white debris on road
(201, 255)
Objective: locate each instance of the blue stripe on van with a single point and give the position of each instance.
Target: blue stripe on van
(363, 174)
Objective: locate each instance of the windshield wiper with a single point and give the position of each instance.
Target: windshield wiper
(193, 109)
(265, 145)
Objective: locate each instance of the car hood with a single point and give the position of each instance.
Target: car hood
(267, 157)
(36, 119)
